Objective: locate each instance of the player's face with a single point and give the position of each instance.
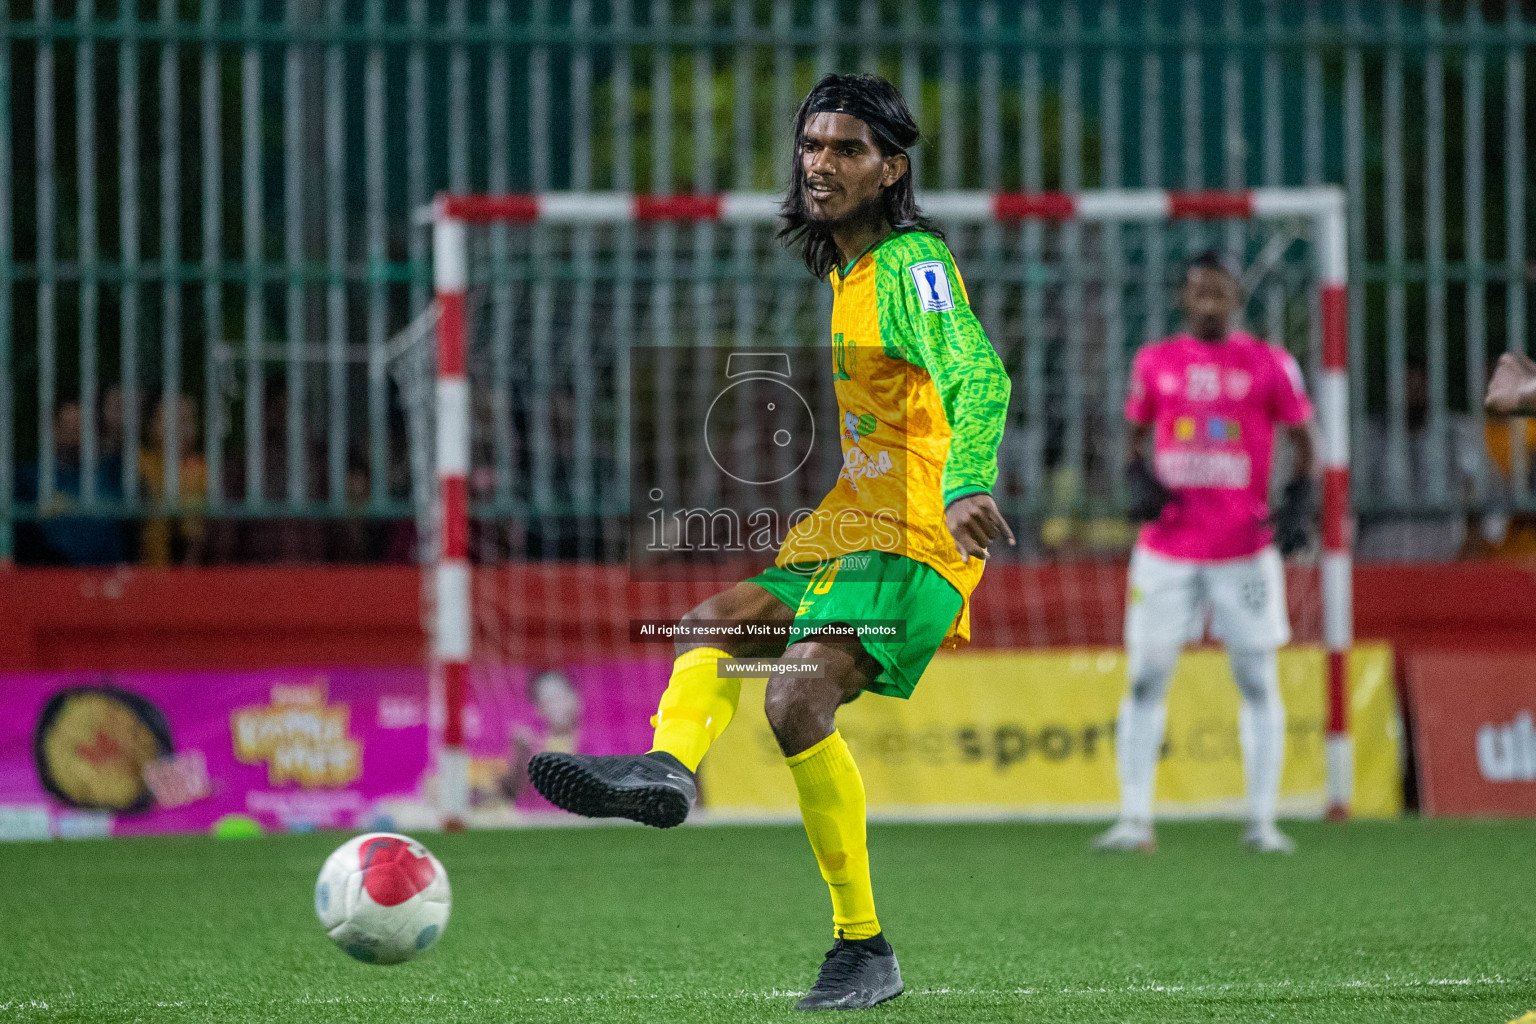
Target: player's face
(1210, 300)
(844, 169)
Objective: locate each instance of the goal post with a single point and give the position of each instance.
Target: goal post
(451, 625)
(1321, 209)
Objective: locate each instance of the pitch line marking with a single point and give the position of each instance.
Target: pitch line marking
(1386, 986)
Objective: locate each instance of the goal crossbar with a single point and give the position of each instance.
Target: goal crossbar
(1322, 207)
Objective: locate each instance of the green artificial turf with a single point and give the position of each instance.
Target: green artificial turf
(1405, 922)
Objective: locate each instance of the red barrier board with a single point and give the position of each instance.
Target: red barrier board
(1473, 733)
(263, 616)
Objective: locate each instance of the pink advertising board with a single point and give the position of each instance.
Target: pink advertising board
(133, 753)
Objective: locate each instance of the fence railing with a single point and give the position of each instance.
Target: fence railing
(212, 200)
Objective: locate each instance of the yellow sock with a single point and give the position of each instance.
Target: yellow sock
(832, 804)
(696, 707)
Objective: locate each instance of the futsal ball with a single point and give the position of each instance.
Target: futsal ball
(383, 898)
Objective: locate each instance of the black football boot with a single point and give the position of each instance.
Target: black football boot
(654, 789)
(855, 975)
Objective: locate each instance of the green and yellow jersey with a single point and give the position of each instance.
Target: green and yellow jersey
(921, 398)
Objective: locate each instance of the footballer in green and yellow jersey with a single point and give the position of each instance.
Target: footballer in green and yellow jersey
(901, 538)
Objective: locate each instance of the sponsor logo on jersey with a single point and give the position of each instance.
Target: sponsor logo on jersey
(857, 465)
(1238, 383)
(932, 280)
(1220, 429)
(856, 426)
(845, 357)
(1202, 382)
(1184, 428)
(1204, 469)
(1168, 383)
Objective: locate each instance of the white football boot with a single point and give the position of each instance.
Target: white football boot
(1127, 836)
(1264, 837)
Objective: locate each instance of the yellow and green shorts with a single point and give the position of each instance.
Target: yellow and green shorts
(870, 590)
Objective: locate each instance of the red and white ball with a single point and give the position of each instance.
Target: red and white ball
(383, 898)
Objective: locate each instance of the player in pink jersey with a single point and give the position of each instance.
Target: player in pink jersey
(1210, 399)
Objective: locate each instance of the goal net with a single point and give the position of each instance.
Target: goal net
(572, 389)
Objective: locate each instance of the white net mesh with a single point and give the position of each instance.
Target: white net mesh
(559, 317)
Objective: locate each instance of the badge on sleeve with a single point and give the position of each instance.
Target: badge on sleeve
(932, 282)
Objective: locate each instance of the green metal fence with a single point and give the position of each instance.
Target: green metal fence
(214, 197)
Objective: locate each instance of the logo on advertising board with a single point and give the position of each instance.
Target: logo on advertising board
(178, 781)
(1033, 733)
(1474, 723)
(300, 736)
(1507, 752)
(92, 744)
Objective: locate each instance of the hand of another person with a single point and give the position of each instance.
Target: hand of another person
(1512, 391)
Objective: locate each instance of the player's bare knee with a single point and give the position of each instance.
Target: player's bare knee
(704, 611)
(792, 694)
(739, 604)
(783, 698)
(802, 707)
(799, 711)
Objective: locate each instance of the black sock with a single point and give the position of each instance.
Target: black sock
(875, 944)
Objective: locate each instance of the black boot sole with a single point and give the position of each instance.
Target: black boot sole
(821, 1007)
(570, 784)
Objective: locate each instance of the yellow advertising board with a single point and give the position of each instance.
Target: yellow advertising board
(1027, 733)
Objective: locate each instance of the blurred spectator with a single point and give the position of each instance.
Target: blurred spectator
(110, 422)
(1437, 535)
(167, 541)
(1080, 516)
(284, 538)
(63, 539)
(1012, 487)
(1517, 538)
(400, 544)
(355, 537)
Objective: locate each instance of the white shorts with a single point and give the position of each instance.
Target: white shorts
(1171, 599)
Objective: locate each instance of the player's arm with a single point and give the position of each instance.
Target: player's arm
(1512, 391)
(1294, 516)
(973, 389)
(1146, 496)
(1303, 438)
(1137, 442)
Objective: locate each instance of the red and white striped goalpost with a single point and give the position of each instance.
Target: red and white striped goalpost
(450, 214)
(452, 627)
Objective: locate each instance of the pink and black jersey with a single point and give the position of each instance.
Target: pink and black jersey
(1214, 407)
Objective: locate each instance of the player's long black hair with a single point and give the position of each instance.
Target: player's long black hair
(876, 102)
